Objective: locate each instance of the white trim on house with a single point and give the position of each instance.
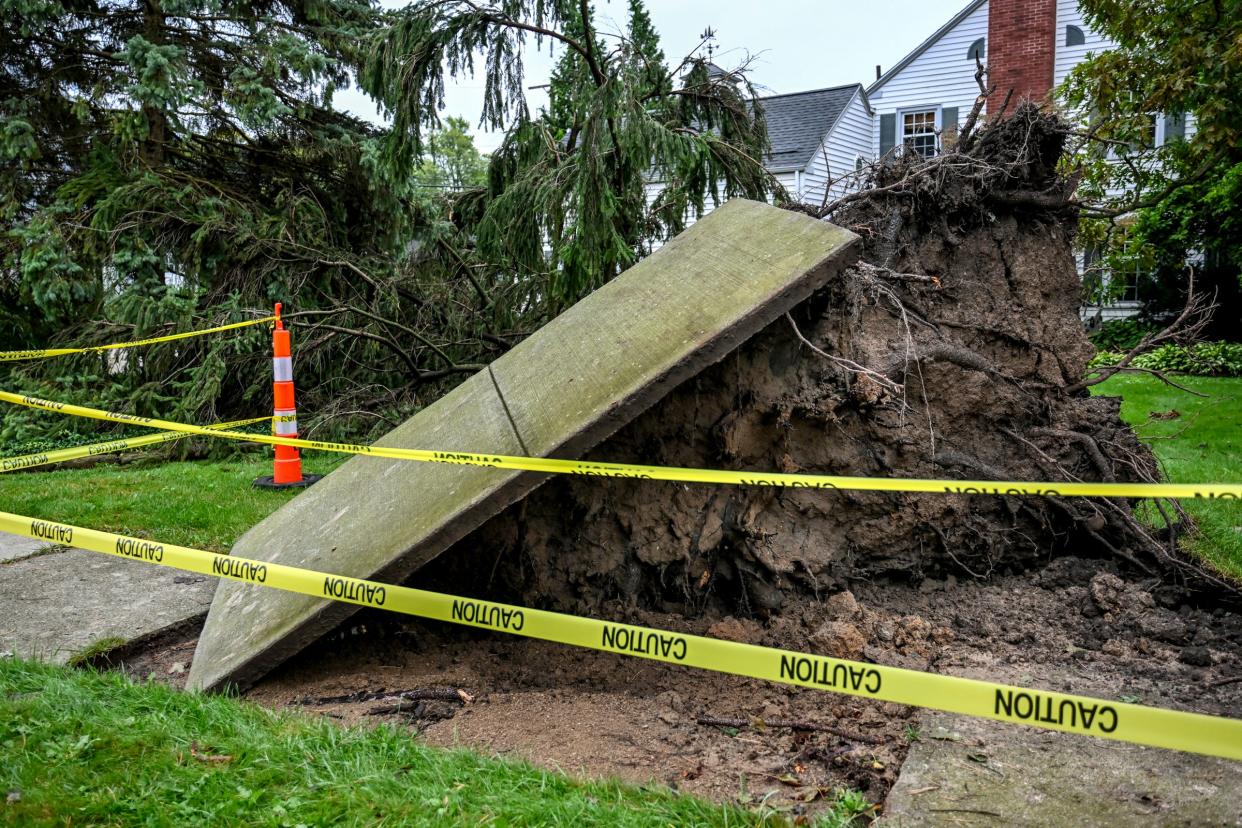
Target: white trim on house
(833, 164)
(900, 65)
(919, 109)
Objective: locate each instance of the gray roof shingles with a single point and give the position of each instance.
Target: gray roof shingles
(798, 122)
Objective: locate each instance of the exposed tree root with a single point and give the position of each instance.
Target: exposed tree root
(953, 350)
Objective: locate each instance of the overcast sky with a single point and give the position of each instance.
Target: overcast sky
(797, 44)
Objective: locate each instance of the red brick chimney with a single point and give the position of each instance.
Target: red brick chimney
(1021, 44)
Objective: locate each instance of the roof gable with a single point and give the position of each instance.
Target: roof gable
(925, 45)
(798, 122)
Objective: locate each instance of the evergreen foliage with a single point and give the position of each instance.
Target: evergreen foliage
(170, 164)
(167, 164)
(566, 206)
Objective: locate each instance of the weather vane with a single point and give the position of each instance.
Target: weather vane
(709, 35)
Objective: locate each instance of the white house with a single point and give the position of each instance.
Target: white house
(1029, 46)
(819, 139)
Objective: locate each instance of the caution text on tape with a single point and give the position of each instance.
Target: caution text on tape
(1158, 727)
(711, 476)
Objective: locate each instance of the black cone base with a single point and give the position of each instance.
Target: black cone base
(268, 483)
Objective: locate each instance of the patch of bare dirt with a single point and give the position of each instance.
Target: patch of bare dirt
(1074, 625)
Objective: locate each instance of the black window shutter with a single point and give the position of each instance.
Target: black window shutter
(1174, 126)
(888, 132)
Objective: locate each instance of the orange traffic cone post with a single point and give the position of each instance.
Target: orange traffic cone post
(287, 468)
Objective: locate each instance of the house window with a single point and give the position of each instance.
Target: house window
(1074, 36)
(1112, 286)
(1149, 134)
(975, 52)
(918, 131)
(1126, 278)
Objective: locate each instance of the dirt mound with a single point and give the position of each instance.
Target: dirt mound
(953, 350)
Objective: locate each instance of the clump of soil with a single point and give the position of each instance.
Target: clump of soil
(952, 350)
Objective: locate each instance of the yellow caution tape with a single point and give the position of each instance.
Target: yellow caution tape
(47, 458)
(581, 467)
(44, 353)
(1193, 732)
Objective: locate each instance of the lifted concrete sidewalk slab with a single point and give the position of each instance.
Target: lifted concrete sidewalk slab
(559, 393)
(55, 605)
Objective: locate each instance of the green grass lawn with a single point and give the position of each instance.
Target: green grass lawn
(1202, 445)
(87, 748)
(204, 504)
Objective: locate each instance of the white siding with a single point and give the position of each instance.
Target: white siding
(652, 190)
(1067, 57)
(941, 76)
(849, 137)
(791, 181)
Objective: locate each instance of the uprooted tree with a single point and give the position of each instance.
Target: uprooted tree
(952, 350)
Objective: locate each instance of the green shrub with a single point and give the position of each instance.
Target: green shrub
(1220, 359)
(1205, 359)
(1120, 334)
(1105, 358)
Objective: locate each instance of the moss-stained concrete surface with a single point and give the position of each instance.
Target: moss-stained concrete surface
(972, 772)
(558, 393)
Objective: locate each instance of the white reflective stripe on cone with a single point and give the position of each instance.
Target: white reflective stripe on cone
(285, 422)
(282, 369)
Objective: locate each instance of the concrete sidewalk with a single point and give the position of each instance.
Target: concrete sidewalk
(972, 772)
(15, 547)
(55, 602)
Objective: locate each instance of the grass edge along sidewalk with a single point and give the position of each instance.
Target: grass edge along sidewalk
(1157, 727)
(95, 748)
(684, 475)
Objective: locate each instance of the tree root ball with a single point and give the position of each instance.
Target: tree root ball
(953, 350)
